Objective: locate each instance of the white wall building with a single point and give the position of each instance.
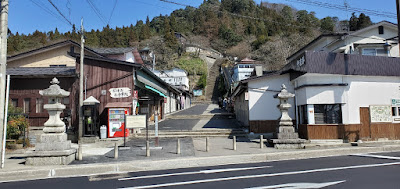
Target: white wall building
(338, 96)
(243, 69)
(175, 77)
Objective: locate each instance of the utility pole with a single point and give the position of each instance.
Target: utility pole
(398, 21)
(3, 65)
(80, 128)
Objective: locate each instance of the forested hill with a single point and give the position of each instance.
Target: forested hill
(265, 32)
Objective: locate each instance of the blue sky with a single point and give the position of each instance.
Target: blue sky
(25, 16)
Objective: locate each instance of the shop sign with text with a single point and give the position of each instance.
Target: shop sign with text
(122, 92)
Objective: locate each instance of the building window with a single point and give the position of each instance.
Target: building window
(39, 105)
(302, 113)
(395, 111)
(380, 29)
(14, 102)
(327, 113)
(374, 52)
(58, 65)
(27, 105)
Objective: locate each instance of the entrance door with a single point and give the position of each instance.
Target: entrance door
(365, 130)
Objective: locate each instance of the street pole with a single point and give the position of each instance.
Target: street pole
(398, 21)
(80, 128)
(3, 66)
(3, 153)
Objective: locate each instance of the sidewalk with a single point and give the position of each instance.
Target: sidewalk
(99, 158)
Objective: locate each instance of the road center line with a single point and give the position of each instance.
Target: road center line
(263, 175)
(194, 172)
(377, 156)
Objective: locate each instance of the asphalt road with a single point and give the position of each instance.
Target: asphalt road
(187, 120)
(332, 172)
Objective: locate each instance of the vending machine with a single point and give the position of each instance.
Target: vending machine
(116, 122)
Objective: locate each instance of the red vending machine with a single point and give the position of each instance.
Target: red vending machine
(116, 122)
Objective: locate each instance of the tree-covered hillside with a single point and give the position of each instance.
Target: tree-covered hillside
(265, 32)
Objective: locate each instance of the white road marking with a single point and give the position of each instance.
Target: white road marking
(377, 156)
(263, 175)
(300, 185)
(194, 172)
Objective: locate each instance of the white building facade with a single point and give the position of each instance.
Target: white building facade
(175, 77)
(346, 94)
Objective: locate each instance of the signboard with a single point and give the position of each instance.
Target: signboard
(198, 92)
(165, 100)
(395, 102)
(246, 96)
(135, 94)
(122, 92)
(135, 121)
(380, 113)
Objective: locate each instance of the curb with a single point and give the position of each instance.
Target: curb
(140, 165)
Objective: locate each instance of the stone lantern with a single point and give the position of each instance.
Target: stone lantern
(52, 147)
(287, 137)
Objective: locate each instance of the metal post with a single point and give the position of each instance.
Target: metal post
(80, 127)
(3, 66)
(234, 143)
(116, 151)
(178, 146)
(156, 126)
(147, 149)
(207, 145)
(80, 152)
(398, 20)
(261, 141)
(3, 153)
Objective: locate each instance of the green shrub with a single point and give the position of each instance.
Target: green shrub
(16, 122)
(192, 65)
(202, 82)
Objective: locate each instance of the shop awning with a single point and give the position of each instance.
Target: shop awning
(147, 80)
(155, 90)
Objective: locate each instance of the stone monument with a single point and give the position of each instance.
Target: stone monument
(52, 147)
(287, 137)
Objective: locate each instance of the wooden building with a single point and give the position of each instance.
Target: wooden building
(32, 71)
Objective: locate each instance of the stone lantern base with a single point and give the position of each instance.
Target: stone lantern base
(51, 149)
(289, 143)
(288, 139)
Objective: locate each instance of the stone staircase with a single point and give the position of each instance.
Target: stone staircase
(211, 88)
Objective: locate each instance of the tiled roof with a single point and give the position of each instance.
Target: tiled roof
(114, 50)
(345, 64)
(43, 71)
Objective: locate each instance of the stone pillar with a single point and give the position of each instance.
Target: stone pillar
(52, 147)
(287, 138)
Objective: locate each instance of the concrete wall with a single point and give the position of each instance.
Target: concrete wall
(262, 104)
(129, 57)
(362, 91)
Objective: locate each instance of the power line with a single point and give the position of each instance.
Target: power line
(60, 12)
(115, 4)
(345, 8)
(97, 11)
(46, 9)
